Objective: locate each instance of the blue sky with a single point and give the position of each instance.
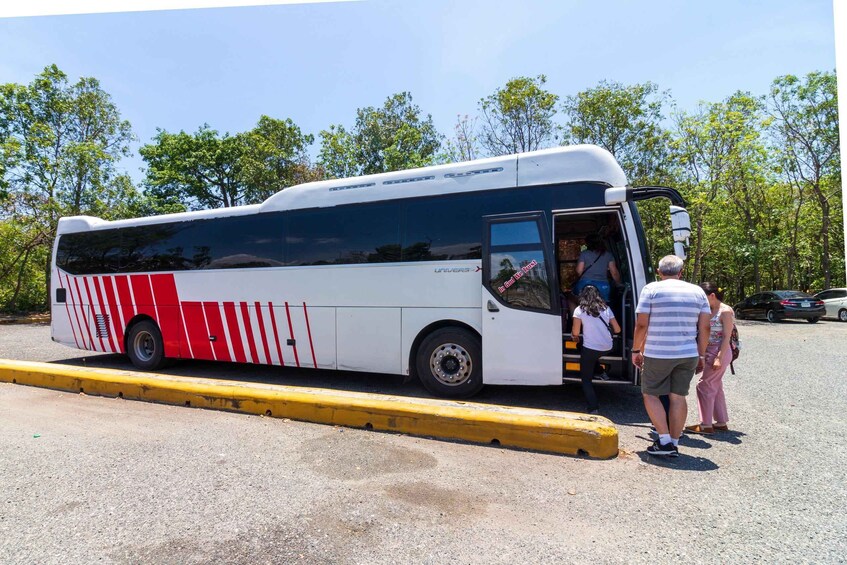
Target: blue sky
(317, 63)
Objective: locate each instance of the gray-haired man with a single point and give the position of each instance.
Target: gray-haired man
(671, 335)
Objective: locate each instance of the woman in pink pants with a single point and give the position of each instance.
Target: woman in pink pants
(710, 395)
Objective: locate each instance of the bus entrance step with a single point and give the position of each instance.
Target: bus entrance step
(596, 381)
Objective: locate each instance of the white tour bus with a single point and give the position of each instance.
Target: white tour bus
(455, 274)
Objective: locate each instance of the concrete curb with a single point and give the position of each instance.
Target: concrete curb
(524, 428)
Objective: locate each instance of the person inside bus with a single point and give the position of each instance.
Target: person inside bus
(594, 266)
(597, 323)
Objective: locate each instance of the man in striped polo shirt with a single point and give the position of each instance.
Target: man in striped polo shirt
(669, 346)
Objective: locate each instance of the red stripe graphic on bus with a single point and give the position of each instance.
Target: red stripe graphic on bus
(68, 310)
(76, 304)
(291, 333)
(276, 334)
(195, 323)
(153, 295)
(166, 304)
(245, 314)
(234, 332)
(208, 332)
(309, 330)
(261, 321)
(114, 311)
(93, 312)
(216, 328)
(140, 289)
(106, 316)
(84, 318)
(125, 298)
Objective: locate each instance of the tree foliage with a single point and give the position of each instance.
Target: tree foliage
(761, 174)
(806, 129)
(627, 122)
(209, 170)
(464, 145)
(59, 146)
(518, 117)
(390, 138)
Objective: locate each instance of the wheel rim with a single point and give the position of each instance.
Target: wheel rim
(451, 364)
(771, 317)
(144, 346)
(843, 315)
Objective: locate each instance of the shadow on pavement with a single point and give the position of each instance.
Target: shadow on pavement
(621, 404)
(732, 436)
(684, 462)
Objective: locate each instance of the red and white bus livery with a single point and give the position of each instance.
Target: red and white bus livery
(454, 274)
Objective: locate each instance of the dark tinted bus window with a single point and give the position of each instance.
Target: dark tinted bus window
(89, 252)
(518, 200)
(156, 247)
(236, 243)
(515, 233)
(577, 195)
(440, 228)
(215, 243)
(368, 233)
(450, 226)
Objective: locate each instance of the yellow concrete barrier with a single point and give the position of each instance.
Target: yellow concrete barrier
(525, 428)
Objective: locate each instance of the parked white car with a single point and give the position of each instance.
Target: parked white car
(835, 300)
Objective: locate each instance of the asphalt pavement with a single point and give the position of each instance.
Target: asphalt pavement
(86, 479)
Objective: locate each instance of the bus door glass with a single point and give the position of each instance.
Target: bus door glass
(521, 323)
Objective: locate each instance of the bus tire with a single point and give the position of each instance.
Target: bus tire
(145, 347)
(449, 363)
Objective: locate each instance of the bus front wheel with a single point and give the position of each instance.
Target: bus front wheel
(145, 347)
(449, 363)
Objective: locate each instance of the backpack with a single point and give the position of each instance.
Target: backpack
(734, 346)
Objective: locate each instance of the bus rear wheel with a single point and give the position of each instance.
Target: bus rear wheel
(145, 347)
(449, 363)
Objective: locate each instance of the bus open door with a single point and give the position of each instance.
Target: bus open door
(521, 314)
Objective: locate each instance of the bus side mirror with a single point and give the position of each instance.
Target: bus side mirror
(681, 227)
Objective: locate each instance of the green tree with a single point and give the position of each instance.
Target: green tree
(747, 180)
(626, 121)
(200, 170)
(391, 138)
(805, 115)
(59, 144)
(722, 161)
(518, 117)
(275, 158)
(464, 145)
(208, 170)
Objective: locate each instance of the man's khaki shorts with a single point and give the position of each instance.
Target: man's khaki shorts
(663, 376)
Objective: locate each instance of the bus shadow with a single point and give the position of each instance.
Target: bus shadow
(621, 404)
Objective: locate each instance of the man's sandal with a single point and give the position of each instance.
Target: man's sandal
(698, 429)
(718, 428)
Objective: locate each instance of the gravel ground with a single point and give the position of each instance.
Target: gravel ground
(86, 479)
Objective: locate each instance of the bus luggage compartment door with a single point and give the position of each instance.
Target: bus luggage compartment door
(521, 321)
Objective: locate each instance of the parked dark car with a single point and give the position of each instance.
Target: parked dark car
(778, 305)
